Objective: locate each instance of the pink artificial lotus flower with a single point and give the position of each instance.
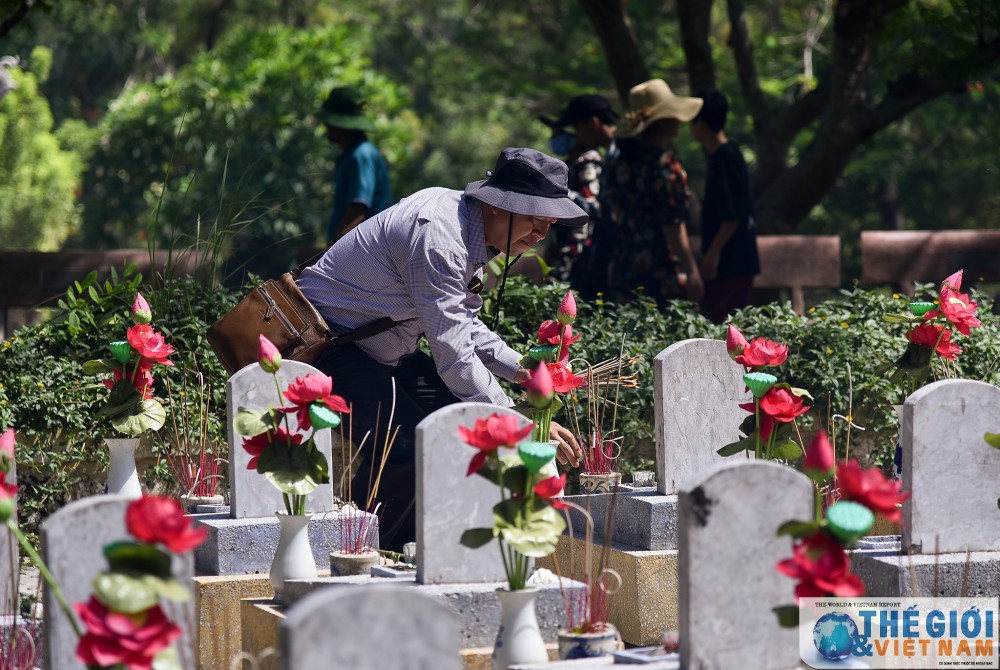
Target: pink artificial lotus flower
(141, 314)
(7, 506)
(149, 343)
(957, 307)
(539, 386)
(268, 356)
(161, 519)
(868, 487)
(127, 640)
(314, 387)
(735, 342)
(491, 433)
(781, 404)
(567, 309)
(7, 442)
(549, 490)
(929, 334)
(760, 352)
(822, 568)
(550, 332)
(820, 459)
(563, 380)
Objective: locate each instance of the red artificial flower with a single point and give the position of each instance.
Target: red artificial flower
(957, 308)
(314, 387)
(268, 356)
(567, 309)
(114, 639)
(823, 569)
(870, 488)
(7, 506)
(927, 334)
(953, 281)
(760, 352)
(563, 380)
(141, 378)
(550, 331)
(820, 459)
(149, 343)
(140, 310)
(735, 342)
(766, 422)
(161, 519)
(781, 404)
(539, 386)
(7, 441)
(549, 490)
(256, 445)
(491, 433)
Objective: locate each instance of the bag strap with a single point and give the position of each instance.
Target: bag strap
(364, 332)
(368, 330)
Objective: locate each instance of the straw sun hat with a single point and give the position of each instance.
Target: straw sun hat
(653, 100)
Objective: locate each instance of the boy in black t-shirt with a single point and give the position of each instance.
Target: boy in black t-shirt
(728, 233)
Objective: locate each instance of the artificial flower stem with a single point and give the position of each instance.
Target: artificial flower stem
(756, 412)
(46, 575)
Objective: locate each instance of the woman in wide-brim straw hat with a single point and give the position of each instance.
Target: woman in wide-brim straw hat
(647, 197)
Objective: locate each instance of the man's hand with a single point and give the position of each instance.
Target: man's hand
(568, 449)
(709, 266)
(523, 375)
(695, 286)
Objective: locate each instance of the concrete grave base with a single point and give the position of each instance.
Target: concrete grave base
(894, 574)
(475, 604)
(644, 519)
(646, 604)
(217, 608)
(247, 546)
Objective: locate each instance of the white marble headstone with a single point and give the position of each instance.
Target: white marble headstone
(251, 495)
(697, 393)
(9, 566)
(727, 552)
(952, 474)
(73, 542)
(370, 628)
(449, 503)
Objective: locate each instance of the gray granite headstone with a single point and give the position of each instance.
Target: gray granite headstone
(370, 628)
(952, 474)
(448, 502)
(697, 393)
(73, 542)
(251, 495)
(9, 566)
(726, 565)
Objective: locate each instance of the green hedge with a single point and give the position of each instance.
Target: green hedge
(46, 397)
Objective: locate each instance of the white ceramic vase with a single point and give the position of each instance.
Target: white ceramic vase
(594, 483)
(293, 559)
(519, 641)
(123, 478)
(588, 645)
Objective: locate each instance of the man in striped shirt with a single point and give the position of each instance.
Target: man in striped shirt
(421, 263)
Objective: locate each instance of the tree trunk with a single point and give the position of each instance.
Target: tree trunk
(621, 48)
(694, 18)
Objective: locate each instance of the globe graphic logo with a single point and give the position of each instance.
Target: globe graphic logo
(834, 635)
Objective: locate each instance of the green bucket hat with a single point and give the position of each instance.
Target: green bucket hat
(344, 108)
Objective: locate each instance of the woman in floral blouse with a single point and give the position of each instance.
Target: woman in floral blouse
(646, 201)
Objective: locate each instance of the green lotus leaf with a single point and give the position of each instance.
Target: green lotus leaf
(848, 520)
(748, 443)
(122, 401)
(150, 416)
(898, 318)
(759, 382)
(125, 593)
(993, 439)
(535, 455)
(535, 534)
(476, 537)
(293, 469)
(137, 557)
(798, 529)
(322, 416)
(167, 659)
(171, 589)
(252, 422)
(786, 450)
(101, 366)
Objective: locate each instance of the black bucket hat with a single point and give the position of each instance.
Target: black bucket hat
(344, 108)
(528, 182)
